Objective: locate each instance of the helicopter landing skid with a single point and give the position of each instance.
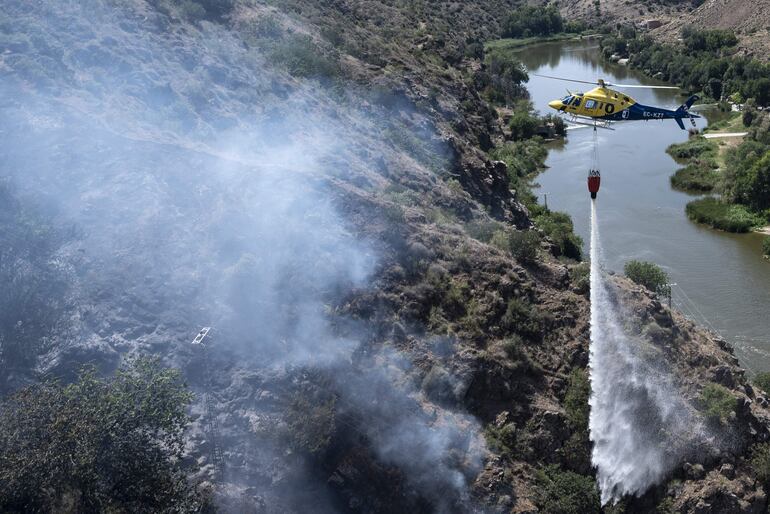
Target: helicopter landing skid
(590, 123)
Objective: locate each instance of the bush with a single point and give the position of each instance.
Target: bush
(482, 230)
(696, 177)
(301, 57)
(760, 462)
(717, 402)
(576, 399)
(523, 125)
(513, 347)
(97, 445)
(521, 318)
(558, 226)
(766, 246)
(647, 274)
(565, 492)
(523, 158)
(762, 380)
(731, 218)
(522, 245)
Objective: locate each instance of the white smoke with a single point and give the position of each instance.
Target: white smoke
(640, 425)
(212, 190)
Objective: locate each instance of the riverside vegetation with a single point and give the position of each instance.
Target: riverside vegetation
(738, 178)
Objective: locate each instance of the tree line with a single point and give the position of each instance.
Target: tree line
(703, 62)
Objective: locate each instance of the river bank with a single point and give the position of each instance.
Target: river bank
(723, 275)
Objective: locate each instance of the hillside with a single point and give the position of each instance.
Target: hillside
(748, 19)
(391, 331)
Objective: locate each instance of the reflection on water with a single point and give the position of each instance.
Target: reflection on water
(721, 277)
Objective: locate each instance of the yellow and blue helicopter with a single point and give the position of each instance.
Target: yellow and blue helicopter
(602, 106)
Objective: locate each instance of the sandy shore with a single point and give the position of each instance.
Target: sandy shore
(764, 230)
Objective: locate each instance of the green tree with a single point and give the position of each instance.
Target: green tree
(647, 274)
(759, 184)
(97, 445)
(531, 21)
(503, 77)
(523, 123)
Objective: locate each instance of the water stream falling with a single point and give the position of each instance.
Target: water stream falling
(640, 425)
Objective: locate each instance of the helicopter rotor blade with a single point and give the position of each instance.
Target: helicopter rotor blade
(640, 86)
(606, 84)
(594, 83)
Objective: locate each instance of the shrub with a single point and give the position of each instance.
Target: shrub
(696, 177)
(581, 276)
(647, 274)
(100, 445)
(576, 399)
(513, 347)
(482, 230)
(523, 158)
(717, 402)
(566, 492)
(760, 462)
(301, 57)
(521, 318)
(310, 421)
(762, 380)
(558, 226)
(766, 246)
(731, 218)
(522, 245)
(523, 125)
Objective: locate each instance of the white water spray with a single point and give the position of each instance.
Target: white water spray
(640, 425)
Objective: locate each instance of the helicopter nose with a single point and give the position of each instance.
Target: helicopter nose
(555, 104)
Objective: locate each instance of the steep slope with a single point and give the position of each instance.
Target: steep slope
(748, 19)
(310, 179)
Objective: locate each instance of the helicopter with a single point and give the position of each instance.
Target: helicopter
(601, 106)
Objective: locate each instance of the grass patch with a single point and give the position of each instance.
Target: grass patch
(696, 177)
(717, 214)
(695, 147)
(717, 402)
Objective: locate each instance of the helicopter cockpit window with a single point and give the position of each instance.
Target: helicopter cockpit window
(590, 104)
(566, 100)
(576, 102)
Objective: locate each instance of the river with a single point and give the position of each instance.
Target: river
(721, 278)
